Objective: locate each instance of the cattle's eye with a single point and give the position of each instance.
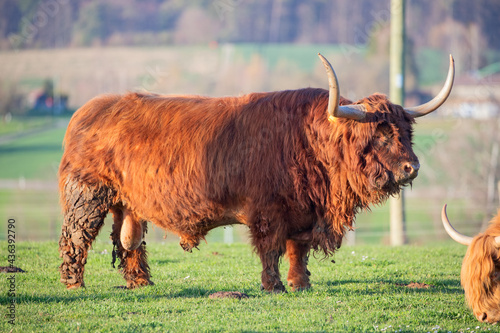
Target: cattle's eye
(383, 135)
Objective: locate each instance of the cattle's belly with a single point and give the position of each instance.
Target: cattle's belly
(199, 223)
(191, 232)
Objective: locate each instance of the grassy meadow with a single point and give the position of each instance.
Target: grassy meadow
(367, 289)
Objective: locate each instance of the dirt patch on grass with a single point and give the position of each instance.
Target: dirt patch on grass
(228, 294)
(9, 269)
(415, 285)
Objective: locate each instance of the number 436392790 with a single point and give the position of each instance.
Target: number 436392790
(11, 239)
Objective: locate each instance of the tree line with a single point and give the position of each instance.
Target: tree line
(63, 23)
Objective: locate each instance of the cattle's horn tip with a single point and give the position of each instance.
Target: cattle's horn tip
(443, 211)
(452, 61)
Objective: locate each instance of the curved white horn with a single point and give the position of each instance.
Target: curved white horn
(458, 237)
(422, 110)
(353, 111)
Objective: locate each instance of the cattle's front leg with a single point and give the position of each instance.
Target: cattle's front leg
(133, 264)
(268, 239)
(271, 280)
(298, 275)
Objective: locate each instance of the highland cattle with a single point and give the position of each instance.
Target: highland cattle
(294, 166)
(480, 275)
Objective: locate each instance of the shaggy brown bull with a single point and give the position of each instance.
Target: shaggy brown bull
(294, 166)
(480, 274)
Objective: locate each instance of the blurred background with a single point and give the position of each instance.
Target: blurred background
(57, 54)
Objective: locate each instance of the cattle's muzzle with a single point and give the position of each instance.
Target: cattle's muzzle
(408, 172)
(492, 316)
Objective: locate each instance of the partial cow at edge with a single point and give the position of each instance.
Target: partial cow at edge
(480, 274)
(294, 166)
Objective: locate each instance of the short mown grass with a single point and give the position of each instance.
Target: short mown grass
(363, 291)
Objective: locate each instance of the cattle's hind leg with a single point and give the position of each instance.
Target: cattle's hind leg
(85, 208)
(298, 275)
(133, 260)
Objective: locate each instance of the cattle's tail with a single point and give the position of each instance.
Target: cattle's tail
(84, 208)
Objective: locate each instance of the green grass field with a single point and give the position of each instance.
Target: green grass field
(364, 291)
(31, 147)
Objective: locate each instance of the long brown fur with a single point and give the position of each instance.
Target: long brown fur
(272, 161)
(481, 274)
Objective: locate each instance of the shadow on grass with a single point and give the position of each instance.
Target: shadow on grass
(116, 292)
(377, 287)
(163, 261)
(315, 331)
(400, 286)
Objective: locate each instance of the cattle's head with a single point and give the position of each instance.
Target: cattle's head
(378, 135)
(480, 274)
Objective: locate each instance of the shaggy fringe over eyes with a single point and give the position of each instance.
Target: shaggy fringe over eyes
(358, 143)
(480, 271)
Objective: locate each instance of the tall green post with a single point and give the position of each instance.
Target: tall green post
(397, 79)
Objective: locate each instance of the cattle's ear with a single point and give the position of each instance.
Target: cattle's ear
(497, 242)
(422, 110)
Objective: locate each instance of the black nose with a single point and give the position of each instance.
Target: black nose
(411, 169)
(482, 317)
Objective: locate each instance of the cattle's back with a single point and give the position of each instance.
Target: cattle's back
(175, 157)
